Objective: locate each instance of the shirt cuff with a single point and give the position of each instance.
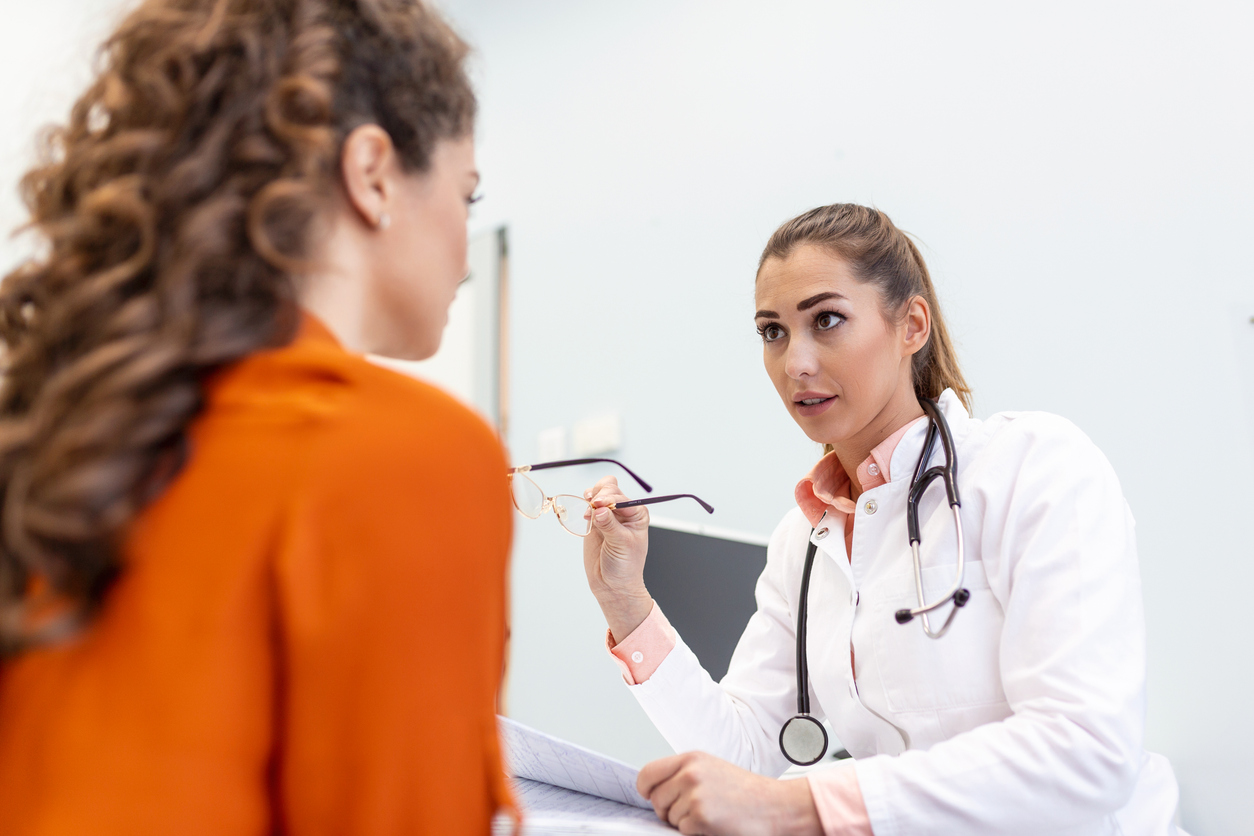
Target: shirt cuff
(644, 649)
(838, 798)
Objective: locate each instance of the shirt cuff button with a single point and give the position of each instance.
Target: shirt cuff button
(637, 657)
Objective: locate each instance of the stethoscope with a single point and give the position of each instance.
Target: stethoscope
(803, 739)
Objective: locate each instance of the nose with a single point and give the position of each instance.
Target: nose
(801, 360)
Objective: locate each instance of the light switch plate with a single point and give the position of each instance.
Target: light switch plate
(598, 434)
(551, 444)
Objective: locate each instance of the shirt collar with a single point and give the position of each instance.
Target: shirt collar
(825, 489)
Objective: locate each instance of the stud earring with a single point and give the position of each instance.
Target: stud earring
(385, 220)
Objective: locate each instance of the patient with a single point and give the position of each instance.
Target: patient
(249, 582)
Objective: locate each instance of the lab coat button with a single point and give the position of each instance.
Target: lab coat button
(820, 534)
(637, 657)
(870, 506)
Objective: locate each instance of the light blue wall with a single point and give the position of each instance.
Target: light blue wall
(1080, 176)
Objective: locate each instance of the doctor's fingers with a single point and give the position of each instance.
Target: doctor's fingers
(605, 495)
(605, 482)
(669, 783)
(634, 517)
(686, 811)
(653, 773)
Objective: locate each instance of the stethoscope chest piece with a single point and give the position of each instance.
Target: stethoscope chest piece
(803, 740)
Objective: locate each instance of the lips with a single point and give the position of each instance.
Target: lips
(812, 403)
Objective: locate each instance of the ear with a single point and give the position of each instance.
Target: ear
(918, 326)
(367, 166)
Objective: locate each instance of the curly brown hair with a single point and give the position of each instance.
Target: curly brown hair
(174, 211)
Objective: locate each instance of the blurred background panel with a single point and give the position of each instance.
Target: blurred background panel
(1077, 173)
(703, 578)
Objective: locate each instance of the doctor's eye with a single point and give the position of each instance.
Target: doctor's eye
(770, 332)
(827, 320)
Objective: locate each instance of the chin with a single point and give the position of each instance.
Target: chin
(412, 349)
(829, 432)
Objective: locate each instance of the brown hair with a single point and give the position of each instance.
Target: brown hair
(883, 255)
(173, 211)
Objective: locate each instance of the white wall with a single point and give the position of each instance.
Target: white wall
(1081, 177)
(46, 50)
(1079, 174)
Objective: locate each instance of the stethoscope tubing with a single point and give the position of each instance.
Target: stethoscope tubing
(959, 595)
(803, 665)
(948, 474)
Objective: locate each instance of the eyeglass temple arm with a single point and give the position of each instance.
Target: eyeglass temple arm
(573, 462)
(709, 509)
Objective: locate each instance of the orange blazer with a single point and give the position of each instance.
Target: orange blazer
(308, 634)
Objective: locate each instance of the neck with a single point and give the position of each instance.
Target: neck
(335, 293)
(853, 451)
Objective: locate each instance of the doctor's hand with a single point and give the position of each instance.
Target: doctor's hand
(613, 558)
(702, 794)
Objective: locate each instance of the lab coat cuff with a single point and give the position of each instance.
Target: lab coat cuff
(873, 786)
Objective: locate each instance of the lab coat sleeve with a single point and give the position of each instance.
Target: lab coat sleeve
(1060, 552)
(738, 720)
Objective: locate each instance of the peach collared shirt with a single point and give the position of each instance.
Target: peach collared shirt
(825, 489)
(823, 492)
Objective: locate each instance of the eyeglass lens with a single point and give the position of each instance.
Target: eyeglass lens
(528, 497)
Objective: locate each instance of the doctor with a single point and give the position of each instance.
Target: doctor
(1026, 716)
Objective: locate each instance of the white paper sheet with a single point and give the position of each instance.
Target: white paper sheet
(537, 756)
(554, 811)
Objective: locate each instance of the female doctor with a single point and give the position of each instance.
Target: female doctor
(1025, 716)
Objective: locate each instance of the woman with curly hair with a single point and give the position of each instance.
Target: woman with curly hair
(249, 582)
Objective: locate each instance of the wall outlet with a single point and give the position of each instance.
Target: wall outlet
(551, 444)
(598, 434)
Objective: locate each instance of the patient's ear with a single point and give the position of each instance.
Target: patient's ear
(368, 168)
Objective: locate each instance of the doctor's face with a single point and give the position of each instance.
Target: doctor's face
(834, 358)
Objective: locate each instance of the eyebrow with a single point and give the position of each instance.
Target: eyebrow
(804, 304)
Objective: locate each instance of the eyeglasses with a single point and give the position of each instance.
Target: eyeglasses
(574, 512)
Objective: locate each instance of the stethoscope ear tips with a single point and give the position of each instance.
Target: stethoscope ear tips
(960, 600)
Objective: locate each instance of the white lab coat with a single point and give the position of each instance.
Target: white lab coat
(1026, 718)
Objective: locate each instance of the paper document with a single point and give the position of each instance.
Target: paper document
(554, 811)
(536, 756)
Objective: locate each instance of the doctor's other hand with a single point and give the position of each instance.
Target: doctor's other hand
(613, 558)
(702, 794)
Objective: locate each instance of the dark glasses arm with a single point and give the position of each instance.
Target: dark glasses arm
(573, 462)
(709, 509)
